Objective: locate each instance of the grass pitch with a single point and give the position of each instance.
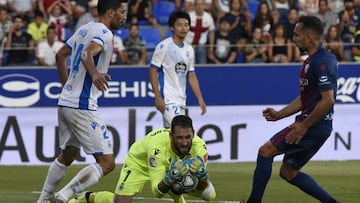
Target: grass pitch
(21, 184)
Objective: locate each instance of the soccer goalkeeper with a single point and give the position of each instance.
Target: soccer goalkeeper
(161, 157)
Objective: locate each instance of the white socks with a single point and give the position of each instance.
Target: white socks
(87, 177)
(55, 174)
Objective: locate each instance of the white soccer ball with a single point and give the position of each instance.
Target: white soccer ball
(187, 183)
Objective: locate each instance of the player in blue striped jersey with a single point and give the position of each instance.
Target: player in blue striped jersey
(79, 123)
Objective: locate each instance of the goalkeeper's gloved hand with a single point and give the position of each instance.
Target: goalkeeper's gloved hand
(198, 168)
(177, 170)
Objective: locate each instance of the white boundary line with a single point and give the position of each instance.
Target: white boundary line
(165, 199)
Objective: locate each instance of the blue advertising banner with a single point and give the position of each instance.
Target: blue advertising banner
(221, 85)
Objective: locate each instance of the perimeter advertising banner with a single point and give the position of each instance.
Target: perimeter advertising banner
(227, 85)
(233, 126)
(232, 133)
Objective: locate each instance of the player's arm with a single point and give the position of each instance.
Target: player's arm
(159, 102)
(87, 58)
(272, 115)
(61, 63)
(194, 84)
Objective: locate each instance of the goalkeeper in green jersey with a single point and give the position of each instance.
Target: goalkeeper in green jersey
(162, 157)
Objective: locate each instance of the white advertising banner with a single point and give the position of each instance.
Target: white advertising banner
(232, 133)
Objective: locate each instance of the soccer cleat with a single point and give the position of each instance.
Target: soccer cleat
(53, 199)
(82, 197)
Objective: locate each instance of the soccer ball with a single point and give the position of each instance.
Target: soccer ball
(187, 183)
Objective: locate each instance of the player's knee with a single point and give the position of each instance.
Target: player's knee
(268, 150)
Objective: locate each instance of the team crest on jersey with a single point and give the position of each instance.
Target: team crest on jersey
(180, 67)
(83, 33)
(152, 161)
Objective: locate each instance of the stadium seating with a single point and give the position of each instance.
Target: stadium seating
(162, 10)
(253, 6)
(152, 37)
(123, 33)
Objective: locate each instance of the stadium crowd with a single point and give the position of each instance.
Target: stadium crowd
(221, 32)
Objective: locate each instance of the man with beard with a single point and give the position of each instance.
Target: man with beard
(161, 157)
(80, 125)
(301, 140)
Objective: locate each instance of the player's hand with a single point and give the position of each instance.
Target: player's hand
(198, 168)
(202, 106)
(270, 114)
(160, 104)
(178, 169)
(297, 132)
(100, 82)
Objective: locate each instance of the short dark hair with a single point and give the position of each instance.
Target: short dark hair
(312, 23)
(176, 15)
(104, 5)
(182, 121)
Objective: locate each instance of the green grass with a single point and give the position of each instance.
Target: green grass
(20, 184)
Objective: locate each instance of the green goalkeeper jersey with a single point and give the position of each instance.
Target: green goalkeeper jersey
(152, 154)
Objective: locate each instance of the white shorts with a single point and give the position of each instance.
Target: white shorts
(83, 128)
(172, 110)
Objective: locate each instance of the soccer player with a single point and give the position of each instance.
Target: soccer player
(302, 139)
(161, 157)
(171, 66)
(79, 123)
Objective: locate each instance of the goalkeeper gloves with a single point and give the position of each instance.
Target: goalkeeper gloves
(177, 170)
(198, 168)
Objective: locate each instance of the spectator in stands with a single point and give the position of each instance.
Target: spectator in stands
(45, 6)
(355, 49)
(89, 16)
(308, 7)
(46, 49)
(202, 23)
(221, 7)
(59, 16)
(333, 42)
(326, 16)
(263, 19)
(189, 5)
(280, 47)
(336, 5)
(290, 23)
(22, 8)
(349, 19)
(19, 44)
(135, 46)
(256, 49)
(240, 22)
(5, 23)
(118, 56)
(140, 10)
(221, 47)
(38, 27)
(283, 6)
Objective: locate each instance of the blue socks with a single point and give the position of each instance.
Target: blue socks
(261, 177)
(309, 186)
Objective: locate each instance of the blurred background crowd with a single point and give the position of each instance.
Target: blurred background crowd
(221, 31)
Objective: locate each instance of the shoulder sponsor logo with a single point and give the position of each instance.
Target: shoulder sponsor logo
(323, 78)
(152, 161)
(19, 90)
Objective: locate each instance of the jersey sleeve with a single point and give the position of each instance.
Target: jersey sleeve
(325, 72)
(159, 55)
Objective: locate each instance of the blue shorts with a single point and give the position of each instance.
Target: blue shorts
(297, 155)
